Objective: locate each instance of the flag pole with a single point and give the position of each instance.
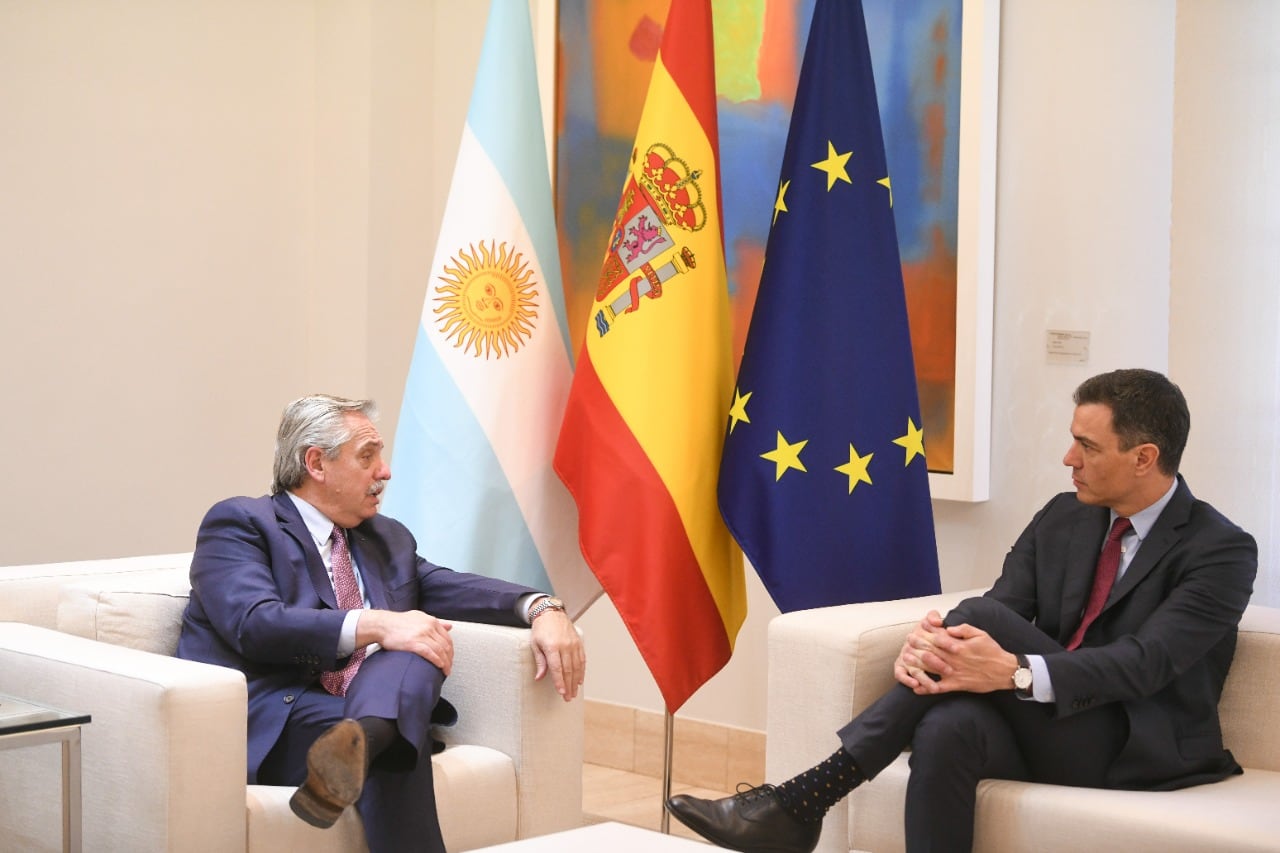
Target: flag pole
(668, 738)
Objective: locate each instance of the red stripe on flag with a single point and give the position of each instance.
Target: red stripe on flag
(686, 44)
(670, 612)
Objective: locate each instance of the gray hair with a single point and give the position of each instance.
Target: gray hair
(316, 421)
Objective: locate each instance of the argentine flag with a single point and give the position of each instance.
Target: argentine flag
(491, 367)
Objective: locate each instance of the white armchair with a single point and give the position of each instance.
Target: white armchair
(164, 757)
(826, 665)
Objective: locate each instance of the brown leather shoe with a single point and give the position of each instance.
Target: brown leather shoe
(335, 775)
(751, 821)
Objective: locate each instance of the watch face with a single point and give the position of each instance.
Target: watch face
(1022, 678)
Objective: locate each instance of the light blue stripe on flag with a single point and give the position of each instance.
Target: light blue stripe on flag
(491, 369)
(505, 97)
(446, 478)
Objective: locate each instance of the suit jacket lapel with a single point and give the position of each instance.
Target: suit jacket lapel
(373, 569)
(1163, 536)
(1082, 560)
(291, 522)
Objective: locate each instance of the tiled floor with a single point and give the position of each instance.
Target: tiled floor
(609, 794)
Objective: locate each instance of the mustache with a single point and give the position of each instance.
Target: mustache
(376, 488)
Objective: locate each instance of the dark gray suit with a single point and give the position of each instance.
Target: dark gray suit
(262, 603)
(1135, 706)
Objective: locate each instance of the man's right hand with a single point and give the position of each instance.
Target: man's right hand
(408, 631)
(909, 668)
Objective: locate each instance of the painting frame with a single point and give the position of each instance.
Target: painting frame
(969, 477)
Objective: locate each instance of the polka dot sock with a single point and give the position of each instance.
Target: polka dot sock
(810, 795)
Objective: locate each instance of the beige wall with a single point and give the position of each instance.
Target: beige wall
(207, 208)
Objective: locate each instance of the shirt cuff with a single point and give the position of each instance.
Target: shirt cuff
(525, 603)
(347, 639)
(1041, 686)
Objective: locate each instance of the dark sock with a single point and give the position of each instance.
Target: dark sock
(811, 795)
(378, 734)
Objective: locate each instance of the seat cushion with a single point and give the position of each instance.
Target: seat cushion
(475, 796)
(1237, 815)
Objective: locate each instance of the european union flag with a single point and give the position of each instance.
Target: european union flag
(823, 481)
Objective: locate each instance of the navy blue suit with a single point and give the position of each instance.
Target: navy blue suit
(262, 603)
(1136, 706)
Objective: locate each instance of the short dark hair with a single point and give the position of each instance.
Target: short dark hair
(1145, 408)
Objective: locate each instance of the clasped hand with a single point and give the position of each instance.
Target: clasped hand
(408, 631)
(941, 659)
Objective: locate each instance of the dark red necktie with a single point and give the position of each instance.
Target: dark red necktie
(347, 591)
(1104, 577)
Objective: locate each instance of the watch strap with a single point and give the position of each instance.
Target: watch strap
(543, 605)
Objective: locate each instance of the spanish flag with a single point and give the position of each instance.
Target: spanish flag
(643, 429)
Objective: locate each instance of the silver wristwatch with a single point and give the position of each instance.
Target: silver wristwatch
(548, 603)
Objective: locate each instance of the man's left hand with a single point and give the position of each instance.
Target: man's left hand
(557, 649)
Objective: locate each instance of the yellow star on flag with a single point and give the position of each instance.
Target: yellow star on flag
(780, 206)
(738, 411)
(834, 166)
(856, 468)
(884, 182)
(913, 441)
(786, 456)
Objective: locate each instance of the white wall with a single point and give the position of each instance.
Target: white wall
(1225, 324)
(208, 208)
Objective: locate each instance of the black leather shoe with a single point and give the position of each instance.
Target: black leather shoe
(751, 821)
(335, 775)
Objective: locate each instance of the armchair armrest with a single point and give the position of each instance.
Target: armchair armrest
(163, 758)
(502, 707)
(825, 666)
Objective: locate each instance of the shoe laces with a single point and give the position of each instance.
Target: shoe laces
(748, 792)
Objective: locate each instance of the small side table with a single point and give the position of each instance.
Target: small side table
(25, 723)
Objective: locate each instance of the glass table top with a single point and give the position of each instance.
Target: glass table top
(18, 715)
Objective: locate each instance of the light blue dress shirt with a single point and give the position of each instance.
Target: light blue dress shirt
(1142, 521)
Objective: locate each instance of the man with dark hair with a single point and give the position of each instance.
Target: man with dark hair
(1096, 660)
(342, 630)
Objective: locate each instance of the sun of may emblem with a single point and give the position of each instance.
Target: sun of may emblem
(487, 303)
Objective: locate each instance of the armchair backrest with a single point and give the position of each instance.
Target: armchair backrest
(31, 594)
(1252, 692)
(142, 610)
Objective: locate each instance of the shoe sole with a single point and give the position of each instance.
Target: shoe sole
(313, 810)
(328, 776)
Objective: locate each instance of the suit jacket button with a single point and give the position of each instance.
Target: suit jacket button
(288, 699)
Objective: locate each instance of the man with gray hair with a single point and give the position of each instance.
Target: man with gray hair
(342, 630)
